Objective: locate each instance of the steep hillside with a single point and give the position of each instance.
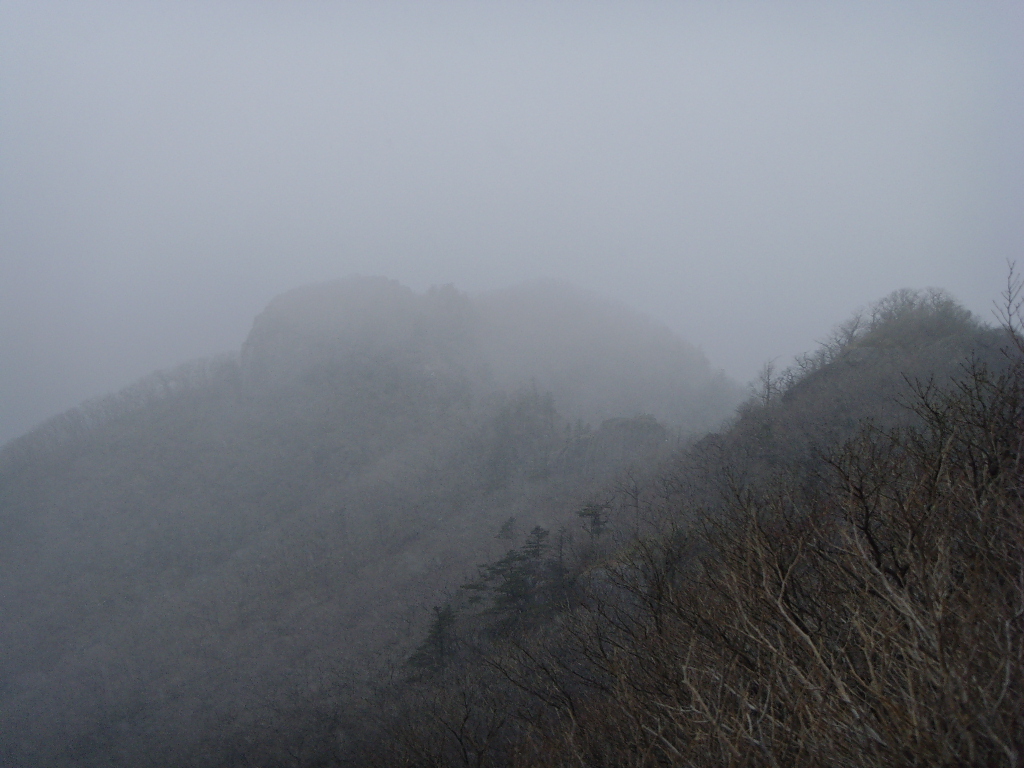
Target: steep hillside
(833, 580)
(216, 542)
(870, 369)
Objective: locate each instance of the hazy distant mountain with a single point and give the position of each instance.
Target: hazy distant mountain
(600, 359)
(178, 559)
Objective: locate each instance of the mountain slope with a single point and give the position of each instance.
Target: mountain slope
(833, 579)
(180, 558)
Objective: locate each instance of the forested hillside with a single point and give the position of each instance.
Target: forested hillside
(524, 529)
(188, 560)
(833, 580)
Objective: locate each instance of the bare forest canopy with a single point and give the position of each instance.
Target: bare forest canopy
(523, 528)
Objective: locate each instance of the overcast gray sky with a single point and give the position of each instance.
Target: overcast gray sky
(748, 173)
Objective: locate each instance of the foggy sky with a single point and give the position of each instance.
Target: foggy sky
(747, 173)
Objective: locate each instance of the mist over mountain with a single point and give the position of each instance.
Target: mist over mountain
(585, 479)
(311, 551)
(597, 359)
(600, 359)
(181, 556)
